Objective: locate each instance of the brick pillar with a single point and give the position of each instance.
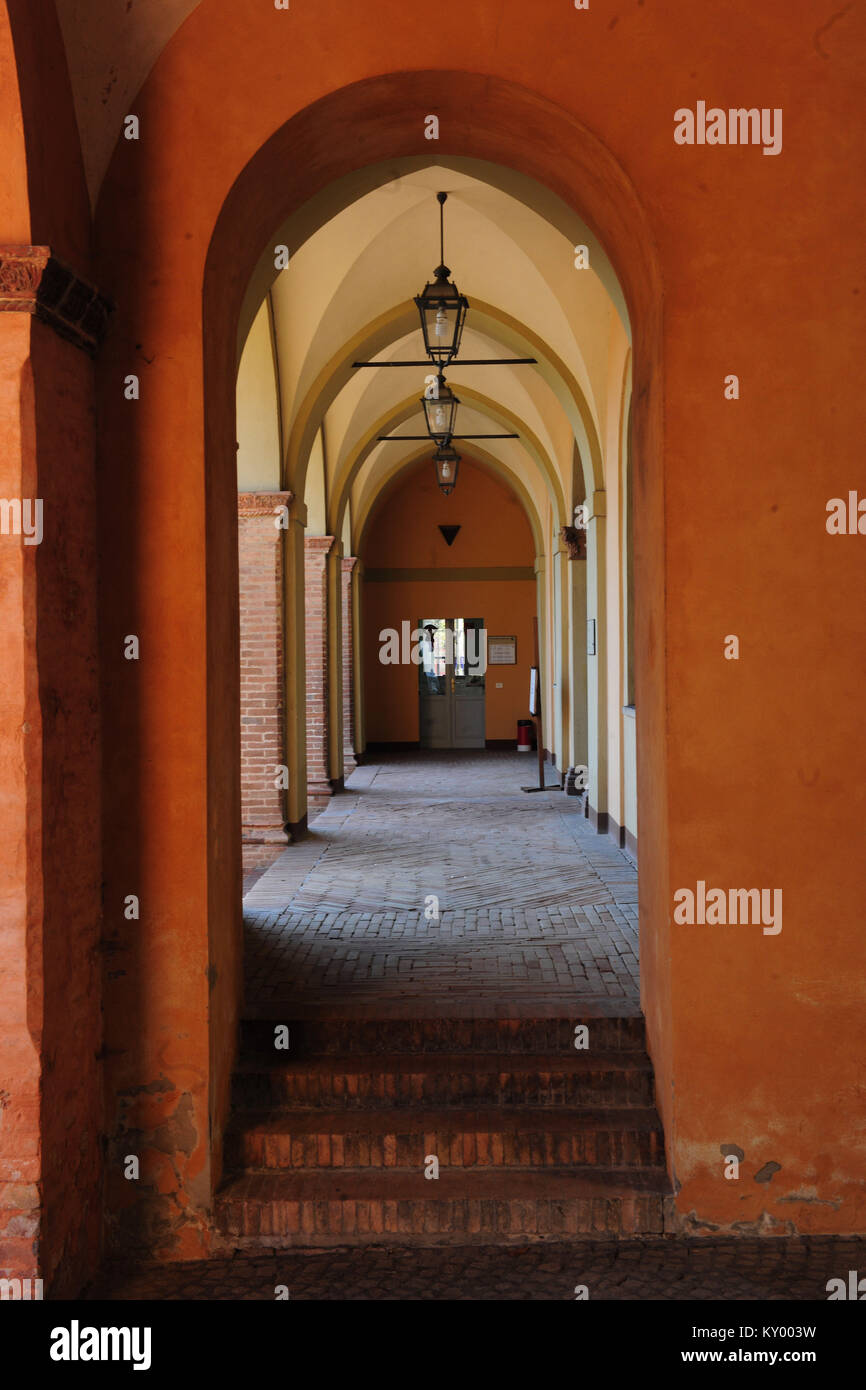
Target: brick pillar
(51, 861)
(260, 555)
(316, 550)
(349, 761)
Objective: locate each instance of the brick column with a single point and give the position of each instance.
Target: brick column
(349, 761)
(316, 549)
(263, 744)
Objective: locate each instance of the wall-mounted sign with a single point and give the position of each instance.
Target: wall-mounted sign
(590, 637)
(502, 651)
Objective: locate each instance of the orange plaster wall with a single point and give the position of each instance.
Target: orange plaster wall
(50, 846)
(403, 530)
(391, 692)
(750, 773)
(404, 534)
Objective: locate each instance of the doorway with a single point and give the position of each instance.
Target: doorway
(451, 679)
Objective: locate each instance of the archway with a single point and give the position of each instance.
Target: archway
(181, 842)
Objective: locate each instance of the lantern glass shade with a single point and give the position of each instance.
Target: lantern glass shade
(442, 310)
(447, 462)
(440, 412)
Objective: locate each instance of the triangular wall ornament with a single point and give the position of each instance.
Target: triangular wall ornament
(449, 532)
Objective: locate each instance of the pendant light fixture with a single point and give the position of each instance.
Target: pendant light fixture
(447, 461)
(440, 410)
(441, 306)
(442, 310)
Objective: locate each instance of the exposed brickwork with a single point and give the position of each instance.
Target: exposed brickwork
(452, 1078)
(316, 551)
(349, 761)
(260, 549)
(617, 1138)
(428, 1036)
(326, 1148)
(265, 1210)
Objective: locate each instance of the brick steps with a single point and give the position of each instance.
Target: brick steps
(343, 1037)
(516, 1137)
(357, 1206)
(328, 1141)
(358, 1082)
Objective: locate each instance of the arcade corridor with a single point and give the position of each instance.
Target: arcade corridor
(317, 324)
(537, 912)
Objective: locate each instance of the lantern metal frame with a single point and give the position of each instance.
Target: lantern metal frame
(441, 398)
(446, 461)
(442, 297)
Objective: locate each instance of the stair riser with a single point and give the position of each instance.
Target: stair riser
(609, 1149)
(326, 1223)
(262, 1090)
(342, 1038)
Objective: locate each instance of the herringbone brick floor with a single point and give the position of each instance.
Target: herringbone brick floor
(536, 912)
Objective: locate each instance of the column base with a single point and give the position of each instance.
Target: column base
(321, 787)
(264, 834)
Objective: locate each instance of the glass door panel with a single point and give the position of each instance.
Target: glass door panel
(451, 682)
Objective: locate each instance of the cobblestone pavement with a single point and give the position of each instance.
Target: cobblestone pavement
(537, 912)
(652, 1268)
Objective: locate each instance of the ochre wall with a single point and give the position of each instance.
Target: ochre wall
(50, 846)
(391, 692)
(403, 534)
(750, 773)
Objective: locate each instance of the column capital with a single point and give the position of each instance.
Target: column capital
(318, 544)
(262, 503)
(33, 281)
(348, 563)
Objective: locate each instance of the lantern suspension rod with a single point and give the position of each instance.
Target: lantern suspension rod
(442, 199)
(390, 437)
(460, 362)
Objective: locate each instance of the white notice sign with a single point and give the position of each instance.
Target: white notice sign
(502, 651)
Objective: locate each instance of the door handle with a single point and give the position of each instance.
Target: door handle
(452, 685)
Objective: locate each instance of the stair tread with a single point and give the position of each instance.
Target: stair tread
(532, 1118)
(407, 1062)
(453, 1184)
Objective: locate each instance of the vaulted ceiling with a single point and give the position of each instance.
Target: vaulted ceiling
(308, 421)
(111, 45)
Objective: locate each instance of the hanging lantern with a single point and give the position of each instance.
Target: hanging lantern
(441, 306)
(447, 461)
(440, 410)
